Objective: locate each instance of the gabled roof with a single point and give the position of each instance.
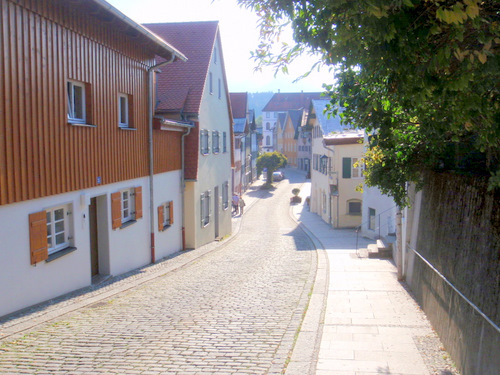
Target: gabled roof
(290, 100)
(296, 118)
(239, 104)
(328, 124)
(130, 27)
(240, 125)
(281, 120)
(181, 84)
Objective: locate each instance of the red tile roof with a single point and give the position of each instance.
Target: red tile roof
(181, 84)
(239, 102)
(284, 101)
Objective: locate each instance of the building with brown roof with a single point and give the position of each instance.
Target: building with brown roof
(281, 103)
(196, 92)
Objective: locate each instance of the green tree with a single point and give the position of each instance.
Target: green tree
(272, 161)
(421, 76)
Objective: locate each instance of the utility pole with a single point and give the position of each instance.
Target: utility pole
(399, 245)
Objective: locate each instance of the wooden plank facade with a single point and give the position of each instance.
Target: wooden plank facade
(43, 44)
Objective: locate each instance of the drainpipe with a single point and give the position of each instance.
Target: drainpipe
(183, 188)
(150, 146)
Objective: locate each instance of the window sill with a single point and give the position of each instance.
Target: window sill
(351, 214)
(60, 253)
(126, 128)
(128, 223)
(81, 124)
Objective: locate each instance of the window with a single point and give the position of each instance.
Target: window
(268, 114)
(76, 102)
(351, 168)
(204, 142)
(165, 215)
(210, 83)
(224, 142)
(324, 203)
(268, 140)
(126, 206)
(268, 126)
(124, 111)
(205, 208)
(371, 218)
(220, 88)
(57, 228)
(215, 142)
(50, 232)
(225, 195)
(354, 207)
(215, 55)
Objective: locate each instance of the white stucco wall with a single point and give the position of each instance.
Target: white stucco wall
(383, 206)
(213, 169)
(120, 250)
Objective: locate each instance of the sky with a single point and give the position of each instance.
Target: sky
(239, 34)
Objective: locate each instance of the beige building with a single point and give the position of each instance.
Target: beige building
(336, 173)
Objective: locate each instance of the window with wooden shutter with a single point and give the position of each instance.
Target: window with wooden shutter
(38, 237)
(160, 218)
(346, 167)
(116, 210)
(138, 202)
(171, 209)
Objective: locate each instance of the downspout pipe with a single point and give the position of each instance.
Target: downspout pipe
(151, 71)
(183, 187)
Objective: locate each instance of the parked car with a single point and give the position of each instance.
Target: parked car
(278, 176)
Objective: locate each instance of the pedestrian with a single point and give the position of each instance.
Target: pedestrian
(242, 205)
(236, 201)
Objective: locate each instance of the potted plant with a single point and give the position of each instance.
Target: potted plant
(296, 198)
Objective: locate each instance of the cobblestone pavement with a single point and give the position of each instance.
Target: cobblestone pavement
(235, 310)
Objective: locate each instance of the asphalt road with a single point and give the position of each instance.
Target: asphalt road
(235, 310)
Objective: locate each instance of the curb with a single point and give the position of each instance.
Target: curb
(304, 358)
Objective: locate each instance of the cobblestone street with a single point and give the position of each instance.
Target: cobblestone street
(235, 310)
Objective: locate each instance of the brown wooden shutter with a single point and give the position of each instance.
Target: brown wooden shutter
(171, 212)
(160, 218)
(138, 202)
(38, 237)
(116, 210)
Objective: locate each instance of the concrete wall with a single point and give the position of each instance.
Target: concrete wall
(459, 234)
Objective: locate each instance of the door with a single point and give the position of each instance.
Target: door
(216, 211)
(94, 248)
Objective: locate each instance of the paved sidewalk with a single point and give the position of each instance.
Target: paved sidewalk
(371, 323)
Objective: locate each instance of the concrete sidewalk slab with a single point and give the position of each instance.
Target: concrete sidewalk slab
(371, 323)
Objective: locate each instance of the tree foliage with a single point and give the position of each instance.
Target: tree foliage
(272, 161)
(421, 76)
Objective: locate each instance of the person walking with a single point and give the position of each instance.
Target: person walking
(242, 205)
(236, 202)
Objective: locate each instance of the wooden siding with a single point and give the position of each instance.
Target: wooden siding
(43, 44)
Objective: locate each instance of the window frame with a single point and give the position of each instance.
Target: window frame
(70, 102)
(354, 201)
(205, 208)
(372, 226)
(127, 123)
(356, 171)
(215, 141)
(131, 205)
(204, 146)
(53, 247)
